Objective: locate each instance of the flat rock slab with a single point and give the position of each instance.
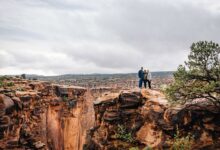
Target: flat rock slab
(25, 93)
(154, 95)
(70, 91)
(108, 98)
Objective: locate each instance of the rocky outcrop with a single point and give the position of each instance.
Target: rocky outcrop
(116, 113)
(144, 119)
(41, 115)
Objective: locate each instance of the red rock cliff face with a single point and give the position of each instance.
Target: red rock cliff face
(71, 120)
(142, 120)
(39, 115)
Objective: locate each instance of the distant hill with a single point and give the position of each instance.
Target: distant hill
(96, 76)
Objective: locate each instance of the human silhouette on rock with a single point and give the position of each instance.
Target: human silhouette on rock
(141, 77)
(147, 79)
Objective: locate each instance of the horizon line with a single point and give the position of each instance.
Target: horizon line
(79, 74)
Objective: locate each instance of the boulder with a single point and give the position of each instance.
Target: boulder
(6, 103)
(130, 99)
(150, 135)
(17, 102)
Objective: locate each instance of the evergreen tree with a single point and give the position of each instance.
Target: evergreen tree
(199, 77)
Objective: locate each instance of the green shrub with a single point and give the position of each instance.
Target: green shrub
(124, 135)
(10, 84)
(2, 78)
(182, 143)
(65, 99)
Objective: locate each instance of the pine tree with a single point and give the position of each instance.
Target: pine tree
(199, 77)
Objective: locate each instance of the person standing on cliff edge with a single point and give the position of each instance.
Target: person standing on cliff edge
(141, 77)
(147, 79)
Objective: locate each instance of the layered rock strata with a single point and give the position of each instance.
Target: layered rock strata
(41, 115)
(145, 120)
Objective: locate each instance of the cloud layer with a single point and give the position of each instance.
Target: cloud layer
(73, 36)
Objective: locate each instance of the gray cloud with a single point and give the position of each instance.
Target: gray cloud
(72, 36)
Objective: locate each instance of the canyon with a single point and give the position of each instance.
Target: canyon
(43, 115)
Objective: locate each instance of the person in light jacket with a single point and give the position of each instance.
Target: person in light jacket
(147, 78)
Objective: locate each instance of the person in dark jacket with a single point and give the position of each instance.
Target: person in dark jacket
(141, 77)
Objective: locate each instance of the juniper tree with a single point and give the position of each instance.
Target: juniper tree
(199, 77)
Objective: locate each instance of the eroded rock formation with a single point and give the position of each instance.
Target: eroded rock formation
(144, 119)
(40, 115)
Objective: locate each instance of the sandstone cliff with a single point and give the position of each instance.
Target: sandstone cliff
(144, 120)
(42, 115)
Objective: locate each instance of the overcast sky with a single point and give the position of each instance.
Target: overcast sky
(53, 37)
